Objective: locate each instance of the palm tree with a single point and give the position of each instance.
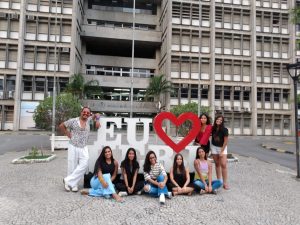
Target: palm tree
(80, 89)
(158, 85)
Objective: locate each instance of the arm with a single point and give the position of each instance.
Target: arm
(96, 117)
(64, 130)
(172, 178)
(134, 180)
(196, 165)
(188, 179)
(209, 176)
(125, 177)
(224, 145)
(115, 171)
(147, 178)
(205, 138)
(101, 179)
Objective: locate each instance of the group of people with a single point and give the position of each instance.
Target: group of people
(104, 182)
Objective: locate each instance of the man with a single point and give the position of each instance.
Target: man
(77, 129)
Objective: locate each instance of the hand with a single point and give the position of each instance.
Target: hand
(105, 185)
(69, 134)
(161, 185)
(206, 188)
(179, 189)
(130, 190)
(209, 189)
(221, 154)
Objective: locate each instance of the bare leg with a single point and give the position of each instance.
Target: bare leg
(175, 191)
(216, 158)
(223, 160)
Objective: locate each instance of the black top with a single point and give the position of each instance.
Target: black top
(130, 170)
(180, 178)
(108, 168)
(218, 136)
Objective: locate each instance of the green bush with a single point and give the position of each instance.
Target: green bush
(67, 106)
(190, 107)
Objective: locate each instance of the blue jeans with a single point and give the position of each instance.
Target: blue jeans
(215, 184)
(97, 189)
(156, 191)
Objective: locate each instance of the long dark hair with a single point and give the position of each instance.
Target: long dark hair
(147, 164)
(126, 162)
(175, 165)
(217, 128)
(207, 117)
(197, 153)
(101, 160)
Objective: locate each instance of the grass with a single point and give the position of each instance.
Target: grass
(36, 157)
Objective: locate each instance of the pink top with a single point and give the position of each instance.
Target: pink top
(203, 137)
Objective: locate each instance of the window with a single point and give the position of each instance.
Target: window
(184, 91)
(227, 93)
(218, 92)
(27, 83)
(39, 84)
(194, 91)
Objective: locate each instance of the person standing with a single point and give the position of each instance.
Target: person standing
(77, 129)
(219, 148)
(203, 136)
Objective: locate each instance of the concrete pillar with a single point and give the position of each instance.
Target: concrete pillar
(19, 73)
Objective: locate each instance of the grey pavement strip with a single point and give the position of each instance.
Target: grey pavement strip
(260, 194)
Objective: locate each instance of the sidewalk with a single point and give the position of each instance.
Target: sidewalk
(261, 193)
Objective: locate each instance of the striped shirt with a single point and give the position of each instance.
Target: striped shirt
(155, 171)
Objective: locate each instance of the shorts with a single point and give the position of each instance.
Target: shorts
(215, 150)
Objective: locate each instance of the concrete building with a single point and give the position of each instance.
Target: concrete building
(230, 55)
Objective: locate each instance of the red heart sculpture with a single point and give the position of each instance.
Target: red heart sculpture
(177, 121)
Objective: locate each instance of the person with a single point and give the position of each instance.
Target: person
(105, 173)
(77, 129)
(180, 177)
(219, 149)
(203, 173)
(203, 136)
(129, 184)
(155, 178)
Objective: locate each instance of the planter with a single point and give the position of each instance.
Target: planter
(60, 142)
(23, 160)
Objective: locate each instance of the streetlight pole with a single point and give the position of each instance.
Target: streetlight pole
(295, 78)
(132, 60)
(54, 83)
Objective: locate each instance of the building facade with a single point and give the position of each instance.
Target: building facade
(229, 55)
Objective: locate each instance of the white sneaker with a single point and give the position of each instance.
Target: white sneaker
(169, 195)
(74, 189)
(66, 186)
(162, 199)
(122, 193)
(139, 193)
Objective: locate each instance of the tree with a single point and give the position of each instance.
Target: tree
(295, 19)
(67, 106)
(189, 107)
(81, 90)
(158, 85)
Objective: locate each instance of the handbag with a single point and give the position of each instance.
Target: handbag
(87, 180)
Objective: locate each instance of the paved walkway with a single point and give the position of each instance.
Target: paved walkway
(261, 193)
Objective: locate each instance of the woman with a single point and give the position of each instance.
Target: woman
(202, 138)
(155, 178)
(105, 173)
(219, 149)
(203, 174)
(180, 177)
(130, 167)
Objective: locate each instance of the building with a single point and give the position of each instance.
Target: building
(230, 55)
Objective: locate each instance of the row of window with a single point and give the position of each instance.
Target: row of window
(118, 71)
(120, 24)
(64, 7)
(228, 70)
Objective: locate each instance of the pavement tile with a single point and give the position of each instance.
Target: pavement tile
(261, 193)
